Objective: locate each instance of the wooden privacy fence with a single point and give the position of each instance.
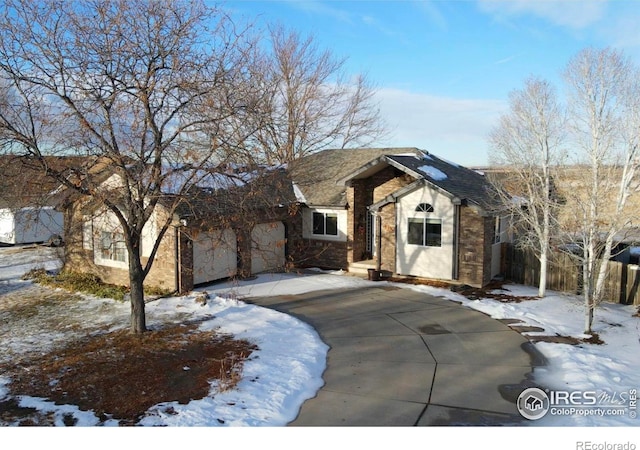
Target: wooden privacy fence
(565, 274)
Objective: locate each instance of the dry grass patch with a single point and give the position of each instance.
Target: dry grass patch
(121, 375)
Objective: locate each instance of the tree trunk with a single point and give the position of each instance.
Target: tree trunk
(136, 280)
(588, 297)
(588, 319)
(542, 285)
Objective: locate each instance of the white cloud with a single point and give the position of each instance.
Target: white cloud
(377, 25)
(440, 124)
(575, 14)
(622, 27)
(435, 17)
(324, 9)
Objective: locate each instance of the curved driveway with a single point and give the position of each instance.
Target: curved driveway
(401, 358)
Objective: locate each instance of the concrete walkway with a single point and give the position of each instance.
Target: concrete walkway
(404, 358)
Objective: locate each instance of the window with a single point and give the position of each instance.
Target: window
(325, 224)
(424, 207)
(425, 232)
(113, 247)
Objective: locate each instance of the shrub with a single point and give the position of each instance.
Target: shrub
(36, 274)
(86, 283)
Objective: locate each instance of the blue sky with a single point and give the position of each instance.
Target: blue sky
(444, 68)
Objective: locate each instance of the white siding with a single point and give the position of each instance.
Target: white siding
(87, 233)
(28, 225)
(418, 260)
(501, 235)
(7, 234)
(149, 235)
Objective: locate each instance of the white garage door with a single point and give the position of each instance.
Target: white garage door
(267, 247)
(215, 256)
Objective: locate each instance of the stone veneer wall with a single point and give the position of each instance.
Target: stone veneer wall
(363, 193)
(79, 259)
(474, 256)
(388, 181)
(358, 198)
(388, 241)
(320, 253)
(177, 243)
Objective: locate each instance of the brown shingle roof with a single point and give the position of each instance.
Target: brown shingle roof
(316, 175)
(23, 181)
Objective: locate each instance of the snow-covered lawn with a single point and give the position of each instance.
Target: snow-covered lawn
(291, 358)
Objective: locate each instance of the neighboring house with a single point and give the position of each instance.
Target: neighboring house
(569, 188)
(226, 226)
(30, 225)
(399, 210)
(28, 200)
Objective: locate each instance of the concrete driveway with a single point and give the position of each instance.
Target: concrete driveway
(403, 358)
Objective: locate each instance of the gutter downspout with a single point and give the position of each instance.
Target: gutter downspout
(178, 268)
(455, 275)
(378, 240)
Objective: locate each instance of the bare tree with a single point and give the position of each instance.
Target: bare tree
(309, 103)
(134, 86)
(604, 108)
(528, 142)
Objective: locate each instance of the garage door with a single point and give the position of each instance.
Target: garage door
(215, 256)
(267, 247)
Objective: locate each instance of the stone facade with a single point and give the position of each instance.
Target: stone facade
(360, 195)
(475, 233)
(319, 253)
(474, 247)
(80, 257)
(389, 238)
(172, 269)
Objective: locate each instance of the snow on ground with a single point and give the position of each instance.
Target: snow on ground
(292, 357)
(16, 261)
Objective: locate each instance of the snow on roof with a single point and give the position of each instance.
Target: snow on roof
(232, 175)
(520, 201)
(433, 173)
(175, 182)
(298, 193)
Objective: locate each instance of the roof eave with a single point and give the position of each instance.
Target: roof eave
(384, 159)
(319, 206)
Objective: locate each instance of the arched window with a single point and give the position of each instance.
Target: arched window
(424, 207)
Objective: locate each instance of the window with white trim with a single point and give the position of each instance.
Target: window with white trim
(425, 231)
(325, 224)
(113, 247)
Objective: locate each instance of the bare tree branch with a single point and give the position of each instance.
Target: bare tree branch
(309, 103)
(148, 89)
